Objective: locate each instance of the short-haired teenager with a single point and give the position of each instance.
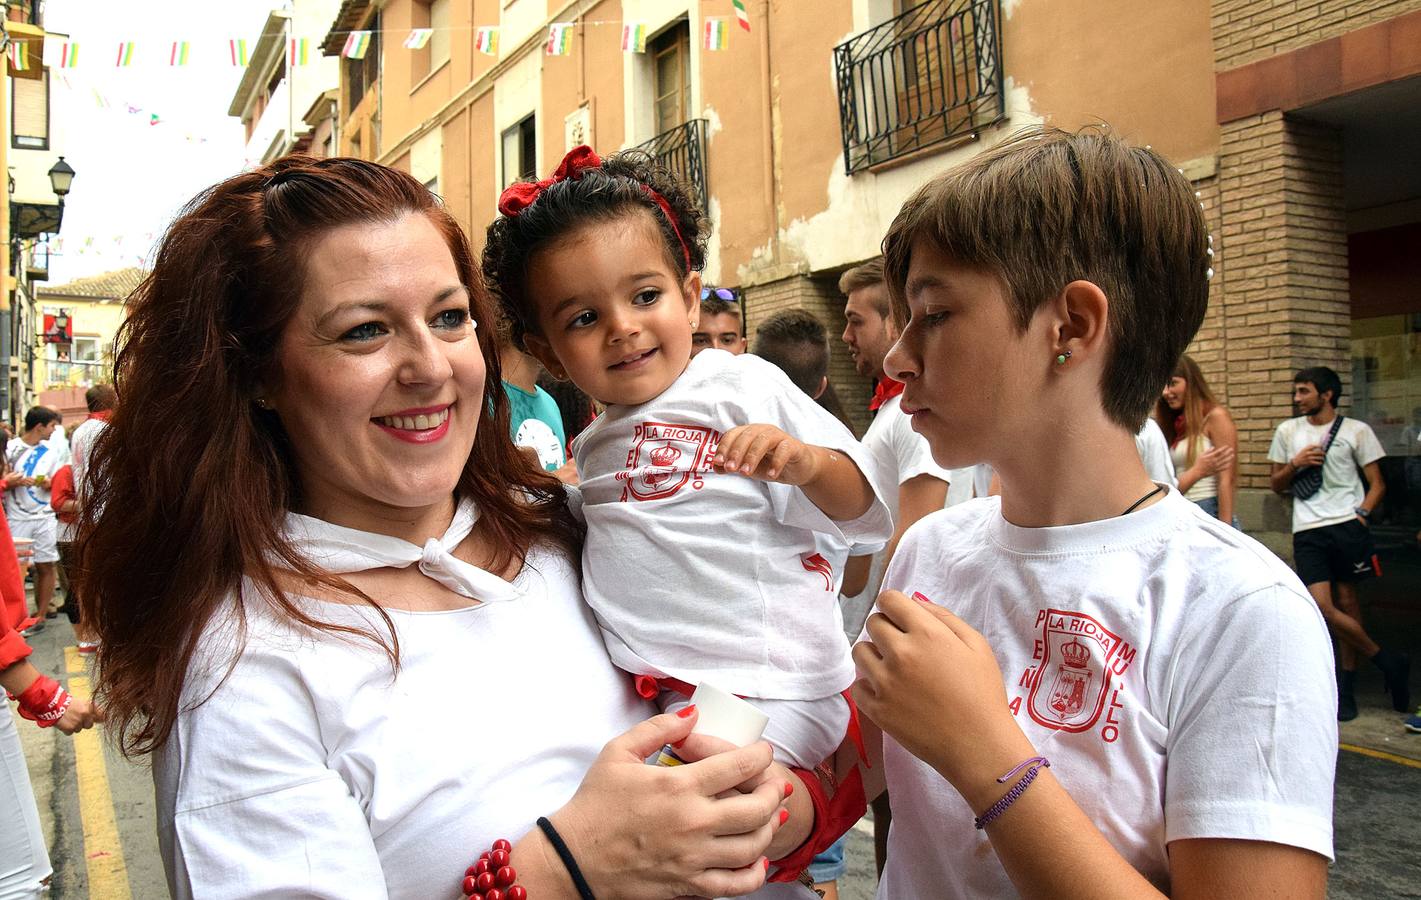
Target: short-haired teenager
(30, 462)
(1173, 671)
(1331, 541)
(721, 326)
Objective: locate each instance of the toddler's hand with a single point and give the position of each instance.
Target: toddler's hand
(931, 681)
(767, 453)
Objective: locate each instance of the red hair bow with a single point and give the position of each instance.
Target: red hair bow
(518, 197)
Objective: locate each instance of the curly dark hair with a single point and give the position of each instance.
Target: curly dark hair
(616, 188)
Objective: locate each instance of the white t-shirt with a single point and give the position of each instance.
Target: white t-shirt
(42, 459)
(716, 577)
(1341, 493)
(81, 448)
(1174, 671)
(311, 771)
(1154, 453)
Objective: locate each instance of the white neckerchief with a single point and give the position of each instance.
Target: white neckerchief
(338, 549)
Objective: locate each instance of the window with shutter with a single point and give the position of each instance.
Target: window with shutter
(30, 111)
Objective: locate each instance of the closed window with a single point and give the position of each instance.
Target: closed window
(671, 57)
(29, 98)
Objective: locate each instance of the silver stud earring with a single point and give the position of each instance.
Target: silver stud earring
(262, 403)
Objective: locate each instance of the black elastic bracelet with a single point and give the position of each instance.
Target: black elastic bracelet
(565, 855)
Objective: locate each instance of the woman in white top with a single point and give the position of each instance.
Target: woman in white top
(342, 611)
(1203, 441)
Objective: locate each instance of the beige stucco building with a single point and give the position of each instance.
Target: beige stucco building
(808, 131)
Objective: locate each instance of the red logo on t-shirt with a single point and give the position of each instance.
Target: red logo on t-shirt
(1074, 659)
(817, 563)
(663, 458)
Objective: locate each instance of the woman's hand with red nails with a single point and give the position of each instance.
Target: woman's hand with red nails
(649, 832)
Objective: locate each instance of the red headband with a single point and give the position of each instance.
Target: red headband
(518, 197)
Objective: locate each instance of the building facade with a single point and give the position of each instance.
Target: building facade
(806, 132)
(285, 81)
(93, 308)
(31, 146)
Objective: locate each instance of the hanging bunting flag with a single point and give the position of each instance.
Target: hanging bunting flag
(178, 55)
(19, 54)
(100, 100)
(300, 51)
(239, 52)
(486, 40)
(153, 119)
(125, 53)
(356, 44)
(715, 37)
(69, 55)
(741, 15)
(634, 38)
(560, 39)
(418, 38)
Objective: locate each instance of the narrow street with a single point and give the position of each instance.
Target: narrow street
(97, 807)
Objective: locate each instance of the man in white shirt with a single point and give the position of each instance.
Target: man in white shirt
(30, 463)
(1331, 541)
(100, 399)
(1154, 453)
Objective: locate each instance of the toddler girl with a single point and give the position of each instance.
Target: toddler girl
(704, 481)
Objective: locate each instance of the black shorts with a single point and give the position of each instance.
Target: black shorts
(71, 596)
(1341, 552)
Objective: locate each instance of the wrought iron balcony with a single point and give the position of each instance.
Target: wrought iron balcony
(927, 77)
(683, 150)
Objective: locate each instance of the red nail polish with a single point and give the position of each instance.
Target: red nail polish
(784, 816)
(686, 712)
(789, 788)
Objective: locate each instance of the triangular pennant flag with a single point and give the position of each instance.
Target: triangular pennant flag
(741, 15)
(19, 54)
(715, 36)
(419, 38)
(486, 40)
(125, 54)
(153, 119)
(559, 39)
(634, 38)
(239, 52)
(356, 44)
(178, 55)
(299, 51)
(69, 55)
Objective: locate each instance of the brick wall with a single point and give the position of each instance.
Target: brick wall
(820, 296)
(1281, 272)
(1249, 30)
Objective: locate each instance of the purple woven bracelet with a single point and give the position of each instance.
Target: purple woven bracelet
(1032, 766)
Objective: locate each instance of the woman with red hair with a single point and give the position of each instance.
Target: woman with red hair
(342, 610)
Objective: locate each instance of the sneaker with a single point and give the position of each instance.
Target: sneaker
(1413, 722)
(88, 648)
(34, 629)
(52, 614)
(1346, 707)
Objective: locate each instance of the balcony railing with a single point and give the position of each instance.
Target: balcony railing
(928, 77)
(683, 150)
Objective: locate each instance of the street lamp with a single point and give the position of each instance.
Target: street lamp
(61, 178)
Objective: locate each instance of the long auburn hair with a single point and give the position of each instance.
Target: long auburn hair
(1199, 401)
(180, 512)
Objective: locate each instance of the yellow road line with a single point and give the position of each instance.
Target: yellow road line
(73, 662)
(1381, 754)
(103, 852)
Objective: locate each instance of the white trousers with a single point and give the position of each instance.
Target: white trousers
(24, 863)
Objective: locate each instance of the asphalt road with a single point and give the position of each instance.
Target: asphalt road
(97, 809)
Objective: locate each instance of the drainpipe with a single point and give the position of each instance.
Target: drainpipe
(767, 126)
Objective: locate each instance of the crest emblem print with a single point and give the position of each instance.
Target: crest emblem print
(1072, 681)
(665, 458)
